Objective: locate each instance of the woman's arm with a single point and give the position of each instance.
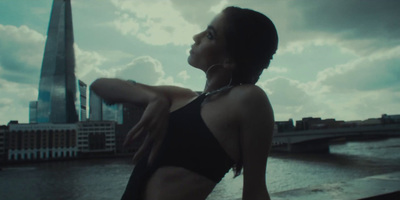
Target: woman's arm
(120, 91)
(157, 101)
(256, 129)
(114, 90)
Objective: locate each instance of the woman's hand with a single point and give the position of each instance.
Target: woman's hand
(157, 101)
(154, 124)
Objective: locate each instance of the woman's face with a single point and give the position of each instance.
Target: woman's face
(209, 46)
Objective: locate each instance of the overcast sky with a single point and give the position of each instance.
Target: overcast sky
(336, 59)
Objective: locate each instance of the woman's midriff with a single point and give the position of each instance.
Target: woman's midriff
(177, 183)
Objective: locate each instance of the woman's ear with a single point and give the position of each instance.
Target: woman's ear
(229, 64)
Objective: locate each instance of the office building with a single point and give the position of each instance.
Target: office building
(82, 103)
(41, 141)
(33, 112)
(100, 111)
(3, 132)
(57, 86)
(96, 137)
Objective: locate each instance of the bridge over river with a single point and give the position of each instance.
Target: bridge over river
(319, 140)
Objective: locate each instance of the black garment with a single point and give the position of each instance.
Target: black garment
(189, 144)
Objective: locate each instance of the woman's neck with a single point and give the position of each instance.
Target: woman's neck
(217, 80)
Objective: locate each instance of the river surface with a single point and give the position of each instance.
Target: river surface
(105, 179)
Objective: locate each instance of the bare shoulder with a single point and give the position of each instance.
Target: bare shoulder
(253, 109)
(249, 97)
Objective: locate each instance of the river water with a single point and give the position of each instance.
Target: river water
(105, 179)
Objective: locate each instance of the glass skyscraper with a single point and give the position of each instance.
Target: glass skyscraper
(100, 111)
(33, 112)
(81, 101)
(57, 87)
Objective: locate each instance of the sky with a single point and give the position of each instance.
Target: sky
(336, 59)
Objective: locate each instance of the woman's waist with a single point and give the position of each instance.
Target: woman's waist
(173, 182)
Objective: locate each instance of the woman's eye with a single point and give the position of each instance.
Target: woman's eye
(210, 36)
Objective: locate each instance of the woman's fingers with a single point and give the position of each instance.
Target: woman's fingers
(142, 149)
(153, 123)
(158, 139)
(155, 150)
(134, 133)
(152, 142)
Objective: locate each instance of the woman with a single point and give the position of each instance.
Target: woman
(193, 140)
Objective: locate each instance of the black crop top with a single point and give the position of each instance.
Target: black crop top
(188, 144)
(191, 145)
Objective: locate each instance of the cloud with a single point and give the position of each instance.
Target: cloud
(87, 61)
(363, 26)
(278, 70)
(153, 22)
(362, 88)
(353, 18)
(144, 69)
(376, 72)
(14, 100)
(199, 12)
(293, 99)
(21, 54)
(20, 61)
(219, 7)
(369, 104)
(183, 75)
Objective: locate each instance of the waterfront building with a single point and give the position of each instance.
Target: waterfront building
(284, 126)
(310, 123)
(96, 137)
(305, 123)
(41, 141)
(390, 119)
(3, 130)
(371, 122)
(33, 112)
(57, 86)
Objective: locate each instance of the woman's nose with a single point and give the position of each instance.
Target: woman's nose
(196, 37)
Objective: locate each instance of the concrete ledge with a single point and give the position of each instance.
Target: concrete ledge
(385, 186)
(390, 196)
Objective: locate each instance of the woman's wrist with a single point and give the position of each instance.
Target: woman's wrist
(160, 100)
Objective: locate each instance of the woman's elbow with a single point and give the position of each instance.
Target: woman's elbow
(100, 83)
(95, 84)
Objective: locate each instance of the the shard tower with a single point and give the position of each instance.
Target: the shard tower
(57, 87)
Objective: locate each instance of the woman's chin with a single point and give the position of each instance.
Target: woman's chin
(190, 61)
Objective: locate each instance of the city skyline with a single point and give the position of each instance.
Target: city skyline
(335, 59)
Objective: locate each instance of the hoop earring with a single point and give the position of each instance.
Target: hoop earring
(229, 85)
(230, 80)
(209, 69)
(212, 66)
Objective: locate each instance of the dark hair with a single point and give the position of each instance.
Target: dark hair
(251, 40)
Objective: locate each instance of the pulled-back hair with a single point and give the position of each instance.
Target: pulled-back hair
(251, 40)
